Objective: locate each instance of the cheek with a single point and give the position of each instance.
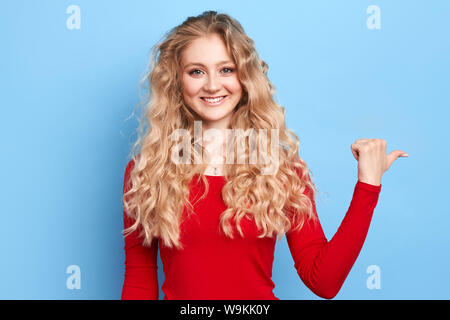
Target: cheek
(191, 87)
(234, 86)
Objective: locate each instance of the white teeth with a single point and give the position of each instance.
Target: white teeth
(213, 100)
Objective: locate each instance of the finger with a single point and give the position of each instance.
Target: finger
(362, 140)
(355, 155)
(355, 152)
(394, 155)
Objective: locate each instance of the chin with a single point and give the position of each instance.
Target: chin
(214, 115)
(208, 117)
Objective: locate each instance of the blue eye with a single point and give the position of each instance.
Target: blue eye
(192, 72)
(231, 70)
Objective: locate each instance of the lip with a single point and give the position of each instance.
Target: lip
(216, 103)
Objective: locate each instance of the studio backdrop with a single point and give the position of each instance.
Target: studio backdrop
(343, 70)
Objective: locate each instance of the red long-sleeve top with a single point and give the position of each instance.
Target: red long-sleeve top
(212, 266)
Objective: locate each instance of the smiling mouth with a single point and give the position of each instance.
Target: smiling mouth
(213, 100)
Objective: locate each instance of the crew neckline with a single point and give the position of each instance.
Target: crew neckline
(210, 176)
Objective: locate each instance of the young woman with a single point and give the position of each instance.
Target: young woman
(216, 222)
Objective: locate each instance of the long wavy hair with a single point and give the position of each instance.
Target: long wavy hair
(158, 188)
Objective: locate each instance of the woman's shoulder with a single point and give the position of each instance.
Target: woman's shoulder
(131, 163)
(129, 167)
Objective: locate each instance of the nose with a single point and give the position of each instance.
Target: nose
(212, 83)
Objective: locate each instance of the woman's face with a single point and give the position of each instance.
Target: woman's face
(209, 72)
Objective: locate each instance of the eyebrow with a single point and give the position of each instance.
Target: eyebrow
(201, 64)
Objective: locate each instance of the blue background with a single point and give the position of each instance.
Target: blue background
(67, 94)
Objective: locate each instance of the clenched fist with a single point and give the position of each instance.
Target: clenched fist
(372, 159)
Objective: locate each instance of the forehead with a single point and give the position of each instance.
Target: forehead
(206, 49)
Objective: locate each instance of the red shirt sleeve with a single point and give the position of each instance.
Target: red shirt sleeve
(324, 265)
(141, 277)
